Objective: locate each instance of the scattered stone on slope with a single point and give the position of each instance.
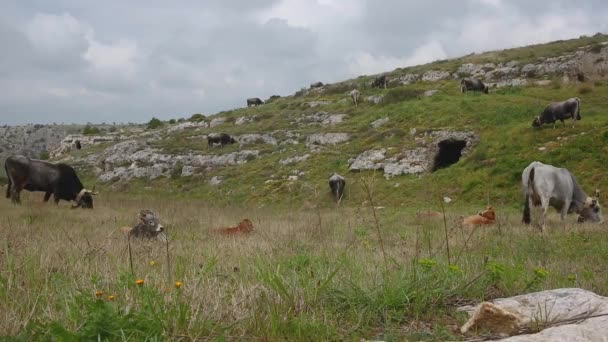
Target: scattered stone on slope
(410, 162)
(217, 121)
(245, 120)
(313, 104)
(379, 122)
(321, 118)
(314, 141)
(295, 159)
(430, 93)
(67, 144)
(368, 160)
(435, 75)
(514, 82)
(216, 180)
(188, 125)
(568, 314)
(255, 138)
(375, 99)
(408, 79)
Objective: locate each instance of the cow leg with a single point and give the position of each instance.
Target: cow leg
(543, 214)
(56, 199)
(47, 195)
(16, 194)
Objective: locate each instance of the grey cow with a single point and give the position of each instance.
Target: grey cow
(545, 185)
(473, 84)
(561, 111)
(254, 101)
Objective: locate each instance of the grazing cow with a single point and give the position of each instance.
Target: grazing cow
(546, 185)
(59, 180)
(473, 84)
(561, 111)
(148, 227)
(487, 216)
(219, 138)
(77, 144)
(354, 95)
(380, 81)
(254, 101)
(316, 85)
(337, 184)
(245, 227)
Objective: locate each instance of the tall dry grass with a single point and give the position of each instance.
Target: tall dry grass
(303, 274)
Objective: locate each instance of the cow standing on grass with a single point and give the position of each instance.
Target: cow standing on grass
(473, 84)
(354, 95)
(59, 180)
(546, 185)
(561, 111)
(219, 138)
(337, 184)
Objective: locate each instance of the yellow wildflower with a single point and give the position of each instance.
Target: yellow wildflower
(178, 284)
(139, 282)
(111, 298)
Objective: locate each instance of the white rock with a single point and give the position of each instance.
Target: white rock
(295, 159)
(368, 160)
(379, 122)
(375, 99)
(435, 75)
(217, 121)
(568, 313)
(430, 93)
(327, 139)
(245, 120)
(216, 180)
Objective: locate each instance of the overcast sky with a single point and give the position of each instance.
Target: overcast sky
(126, 61)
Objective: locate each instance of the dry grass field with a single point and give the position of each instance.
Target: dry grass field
(304, 274)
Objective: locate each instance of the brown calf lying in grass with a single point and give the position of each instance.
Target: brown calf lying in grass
(245, 227)
(487, 216)
(149, 227)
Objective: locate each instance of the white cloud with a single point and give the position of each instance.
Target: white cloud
(56, 33)
(118, 57)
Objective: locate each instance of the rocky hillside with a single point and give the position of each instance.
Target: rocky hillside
(419, 139)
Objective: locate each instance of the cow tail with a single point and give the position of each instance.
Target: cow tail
(8, 187)
(527, 219)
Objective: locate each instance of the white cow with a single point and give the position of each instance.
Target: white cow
(546, 185)
(355, 94)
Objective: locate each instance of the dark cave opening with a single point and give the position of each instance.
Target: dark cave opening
(449, 153)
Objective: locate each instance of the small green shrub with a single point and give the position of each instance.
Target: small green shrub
(596, 48)
(44, 155)
(584, 89)
(172, 121)
(197, 117)
(88, 130)
(154, 123)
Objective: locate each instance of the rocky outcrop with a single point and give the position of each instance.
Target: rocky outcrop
(134, 159)
(414, 161)
(568, 314)
(217, 121)
(30, 140)
(67, 144)
(435, 75)
(408, 79)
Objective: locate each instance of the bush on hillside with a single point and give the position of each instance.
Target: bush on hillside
(585, 89)
(197, 117)
(154, 123)
(88, 130)
(44, 155)
(172, 121)
(596, 48)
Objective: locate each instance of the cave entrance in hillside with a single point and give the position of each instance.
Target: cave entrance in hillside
(450, 151)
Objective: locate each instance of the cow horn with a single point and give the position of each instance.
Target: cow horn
(93, 192)
(79, 196)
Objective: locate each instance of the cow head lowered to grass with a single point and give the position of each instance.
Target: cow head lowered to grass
(59, 180)
(148, 227)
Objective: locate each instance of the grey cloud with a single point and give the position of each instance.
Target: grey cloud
(130, 60)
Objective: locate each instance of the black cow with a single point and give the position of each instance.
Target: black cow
(316, 85)
(59, 180)
(219, 138)
(77, 144)
(472, 84)
(337, 184)
(561, 111)
(380, 81)
(254, 101)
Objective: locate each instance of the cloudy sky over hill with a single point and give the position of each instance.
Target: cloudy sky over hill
(79, 61)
